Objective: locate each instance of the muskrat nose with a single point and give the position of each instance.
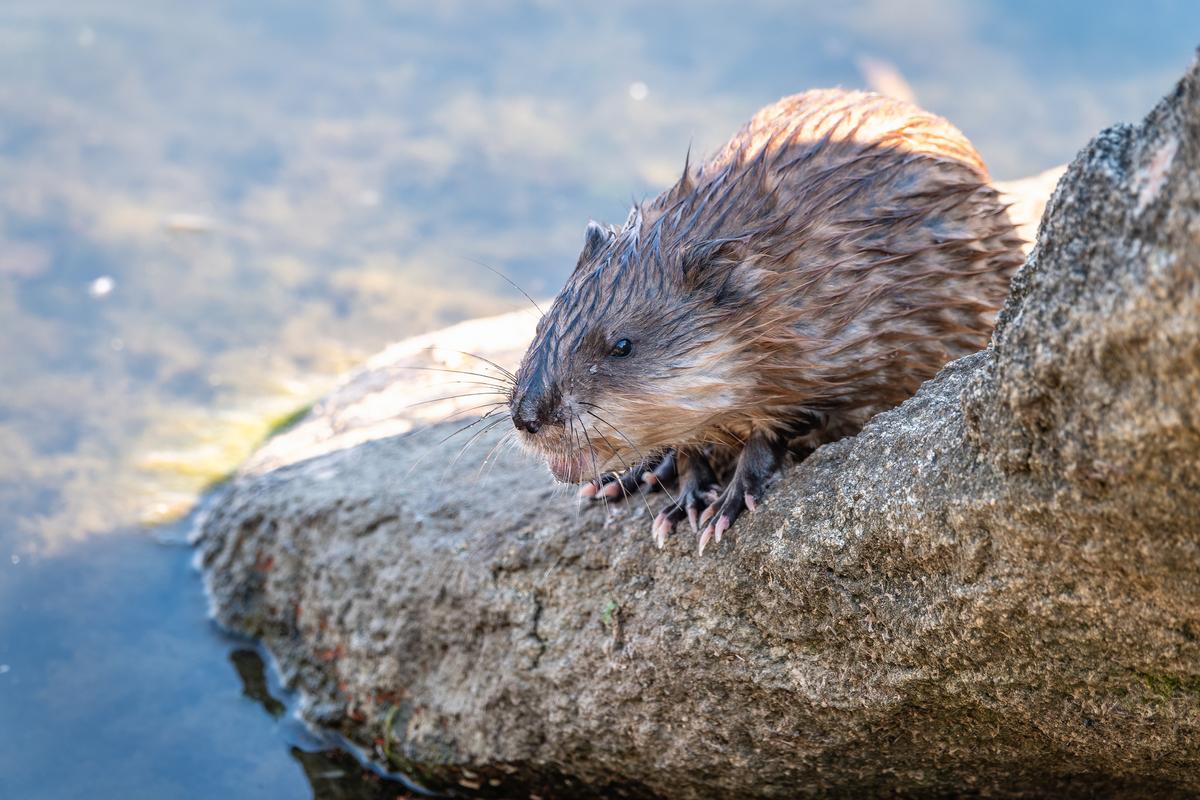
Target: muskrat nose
(529, 425)
(533, 406)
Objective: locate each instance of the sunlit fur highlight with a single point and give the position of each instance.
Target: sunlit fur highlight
(837, 252)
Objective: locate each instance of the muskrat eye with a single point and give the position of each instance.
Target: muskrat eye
(621, 348)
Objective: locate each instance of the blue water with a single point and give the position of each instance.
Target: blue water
(209, 210)
(115, 686)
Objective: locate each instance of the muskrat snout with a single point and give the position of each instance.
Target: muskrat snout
(531, 408)
(529, 425)
(540, 412)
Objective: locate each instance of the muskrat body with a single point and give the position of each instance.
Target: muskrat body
(835, 254)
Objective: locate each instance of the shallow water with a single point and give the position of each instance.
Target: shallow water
(209, 210)
(116, 687)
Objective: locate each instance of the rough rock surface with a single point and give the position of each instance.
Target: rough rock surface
(993, 589)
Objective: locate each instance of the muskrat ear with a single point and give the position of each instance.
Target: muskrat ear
(700, 259)
(594, 240)
(718, 271)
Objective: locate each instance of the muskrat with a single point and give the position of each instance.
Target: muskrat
(836, 253)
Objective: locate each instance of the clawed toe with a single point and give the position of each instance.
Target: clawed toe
(757, 463)
(687, 505)
(721, 513)
(666, 521)
(663, 525)
(642, 478)
(713, 532)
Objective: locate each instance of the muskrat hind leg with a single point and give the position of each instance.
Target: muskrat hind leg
(646, 477)
(698, 487)
(758, 461)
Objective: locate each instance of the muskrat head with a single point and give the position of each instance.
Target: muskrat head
(638, 353)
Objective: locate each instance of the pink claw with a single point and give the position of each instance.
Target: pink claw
(705, 538)
(650, 479)
(722, 525)
(588, 489)
(708, 514)
(662, 527)
(611, 490)
(693, 519)
(751, 503)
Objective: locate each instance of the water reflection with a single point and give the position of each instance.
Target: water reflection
(336, 775)
(253, 674)
(333, 774)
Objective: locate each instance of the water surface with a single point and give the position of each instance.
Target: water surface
(209, 210)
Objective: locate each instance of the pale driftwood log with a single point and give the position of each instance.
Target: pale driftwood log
(994, 588)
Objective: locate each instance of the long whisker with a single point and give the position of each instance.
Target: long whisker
(454, 371)
(467, 427)
(499, 407)
(514, 444)
(456, 397)
(505, 438)
(468, 443)
(595, 467)
(421, 459)
(637, 450)
(508, 280)
(462, 411)
(511, 444)
(576, 447)
(472, 440)
(638, 483)
(505, 372)
(479, 383)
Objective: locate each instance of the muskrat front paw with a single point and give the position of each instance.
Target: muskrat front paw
(688, 504)
(698, 488)
(757, 463)
(723, 512)
(645, 478)
(614, 485)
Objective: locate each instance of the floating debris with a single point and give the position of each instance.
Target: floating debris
(102, 286)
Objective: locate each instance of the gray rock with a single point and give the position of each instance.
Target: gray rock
(993, 589)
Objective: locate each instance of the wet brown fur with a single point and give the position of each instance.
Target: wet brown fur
(837, 252)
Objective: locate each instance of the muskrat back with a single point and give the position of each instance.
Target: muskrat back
(837, 252)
